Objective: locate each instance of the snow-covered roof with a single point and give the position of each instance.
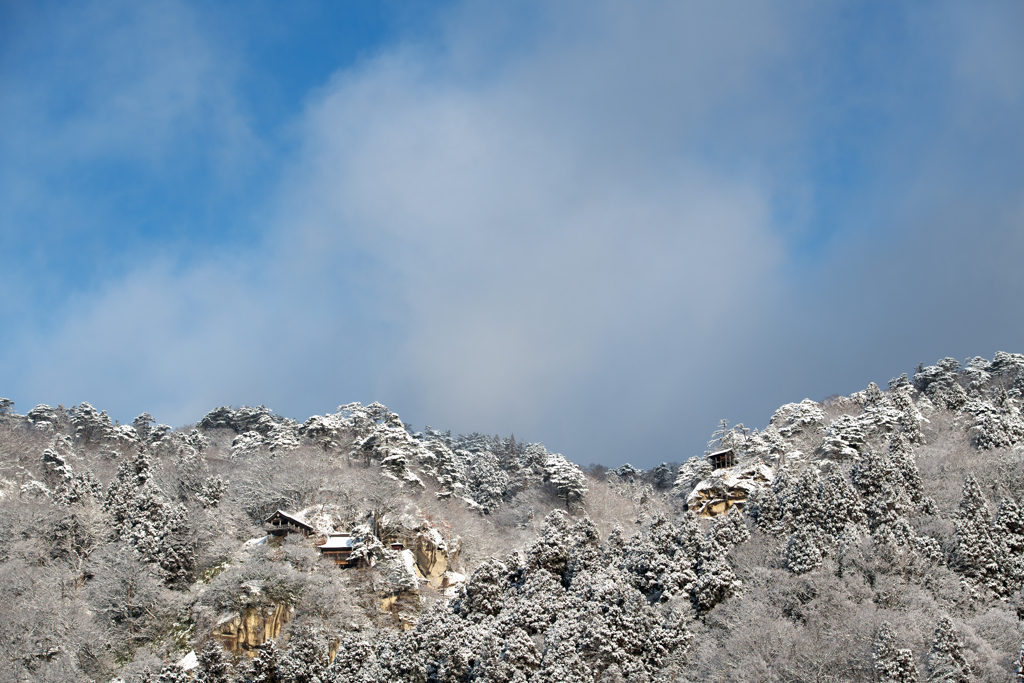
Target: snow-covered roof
(338, 542)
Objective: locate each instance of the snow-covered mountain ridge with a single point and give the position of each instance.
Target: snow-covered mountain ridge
(871, 537)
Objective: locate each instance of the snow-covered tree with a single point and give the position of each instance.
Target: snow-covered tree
(264, 666)
(487, 481)
(845, 438)
(801, 506)
(569, 481)
(910, 417)
(715, 582)
(305, 660)
(907, 475)
(691, 473)
(946, 660)
(214, 665)
(663, 476)
(879, 483)
(90, 424)
(145, 518)
(147, 429)
(1009, 533)
(44, 417)
(799, 418)
(841, 508)
(994, 426)
(802, 551)
(171, 673)
(892, 664)
(940, 383)
(67, 486)
(729, 530)
(976, 553)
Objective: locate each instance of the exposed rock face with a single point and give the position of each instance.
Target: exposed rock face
(253, 627)
(402, 609)
(715, 495)
(433, 556)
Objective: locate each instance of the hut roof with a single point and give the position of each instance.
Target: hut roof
(338, 542)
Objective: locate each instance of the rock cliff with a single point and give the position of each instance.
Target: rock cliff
(254, 626)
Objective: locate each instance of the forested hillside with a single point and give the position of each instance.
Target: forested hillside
(873, 537)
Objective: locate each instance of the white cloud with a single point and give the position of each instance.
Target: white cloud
(575, 236)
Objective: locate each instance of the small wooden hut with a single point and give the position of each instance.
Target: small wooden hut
(722, 459)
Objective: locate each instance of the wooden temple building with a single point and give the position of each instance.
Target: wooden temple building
(338, 547)
(282, 523)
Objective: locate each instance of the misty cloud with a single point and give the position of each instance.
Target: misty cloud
(606, 231)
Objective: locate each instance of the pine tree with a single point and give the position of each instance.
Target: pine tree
(880, 486)
(214, 666)
(716, 580)
(765, 507)
(1009, 530)
(568, 480)
(263, 668)
(946, 660)
(148, 521)
(802, 552)
(801, 503)
(172, 673)
(305, 660)
(729, 530)
(976, 553)
(663, 476)
(909, 477)
(892, 664)
(873, 396)
(842, 511)
(90, 424)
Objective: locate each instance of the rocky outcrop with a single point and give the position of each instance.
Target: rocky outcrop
(433, 556)
(732, 486)
(254, 626)
(402, 608)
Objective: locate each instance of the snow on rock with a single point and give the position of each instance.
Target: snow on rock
(253, 542)
(409, 558)
(451, 583)
(189, 661)
(728, 487)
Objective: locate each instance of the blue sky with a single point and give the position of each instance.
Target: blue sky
(604, 226)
